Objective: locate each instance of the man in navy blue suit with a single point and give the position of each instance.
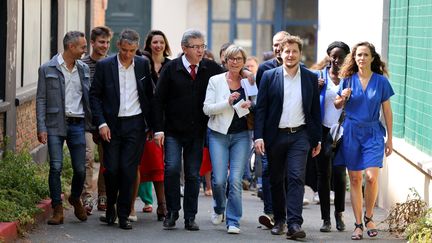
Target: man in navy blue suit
(287, 126)
(120, 98)
(266, 219)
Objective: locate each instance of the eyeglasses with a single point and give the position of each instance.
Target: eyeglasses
(198, 47)
(235, 59)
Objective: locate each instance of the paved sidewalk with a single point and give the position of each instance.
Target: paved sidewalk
(148, 229)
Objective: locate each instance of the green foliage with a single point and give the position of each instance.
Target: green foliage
(421, 230)
(411, 218)
(22, 185)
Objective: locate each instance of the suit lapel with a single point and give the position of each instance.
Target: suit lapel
(280, 80)
(139, 76)
(304, 89)
(115, 73)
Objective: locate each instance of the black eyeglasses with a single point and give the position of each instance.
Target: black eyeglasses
(235, 59)
(198, 47)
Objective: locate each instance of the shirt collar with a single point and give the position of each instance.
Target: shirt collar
(186, 63)
(285, 73)
(120, 65)
(62, 62)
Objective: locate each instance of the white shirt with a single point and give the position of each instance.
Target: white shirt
(331, 114)
(187, 64)
(73, 89)
(129, 102)
(292, 109)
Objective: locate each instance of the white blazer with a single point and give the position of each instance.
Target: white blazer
(216, 104)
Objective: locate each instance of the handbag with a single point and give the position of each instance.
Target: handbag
(334, 137)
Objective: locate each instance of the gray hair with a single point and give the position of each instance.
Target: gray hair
(130, 36)
(233, 50)
(191, 34)
(71, 37)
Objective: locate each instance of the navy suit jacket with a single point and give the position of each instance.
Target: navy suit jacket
(268, 109)
(105, 91)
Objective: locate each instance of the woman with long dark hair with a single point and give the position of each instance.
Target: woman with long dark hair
(363, 146)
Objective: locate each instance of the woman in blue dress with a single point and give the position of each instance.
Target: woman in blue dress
(366, 90)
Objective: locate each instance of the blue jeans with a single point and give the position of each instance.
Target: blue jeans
(228, 152)
(192, 157)
(75, 140)
(267, 197)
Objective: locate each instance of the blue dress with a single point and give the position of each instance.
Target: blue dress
(363, 135)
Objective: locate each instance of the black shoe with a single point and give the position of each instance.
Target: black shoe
(170, 220)
(278, 228)
(326, 227)
(340, 225)
(110, 216)
(266, 220)
(295, 232)
(260, 194)
(191, 225)
(125, 224)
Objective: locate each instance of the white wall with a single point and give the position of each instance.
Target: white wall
(174, 17)
(350, 21)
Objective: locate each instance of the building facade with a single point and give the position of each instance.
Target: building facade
(34, 31)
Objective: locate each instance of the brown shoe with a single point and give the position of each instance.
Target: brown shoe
(57, 217)
(79, 210)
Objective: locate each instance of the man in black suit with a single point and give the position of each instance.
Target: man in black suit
(120, 98)
(287, 119)
(180, 124)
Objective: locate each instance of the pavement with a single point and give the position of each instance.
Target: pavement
(148, 229)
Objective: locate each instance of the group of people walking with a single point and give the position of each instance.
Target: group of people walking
(134, 97)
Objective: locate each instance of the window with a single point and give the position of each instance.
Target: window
(252, 24)
(34, 40)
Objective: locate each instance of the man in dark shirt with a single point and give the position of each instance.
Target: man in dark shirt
(180, 124)
(100, 38)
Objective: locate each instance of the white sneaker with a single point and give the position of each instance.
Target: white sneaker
(133, 218)
(217, 218)
(305, 201)
(332, 197)
(233, 230)
(316, 198)
(181, 191)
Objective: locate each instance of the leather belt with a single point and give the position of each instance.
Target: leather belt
(71, 119)
(292, 129)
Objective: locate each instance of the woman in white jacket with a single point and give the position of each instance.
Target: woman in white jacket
(228, 138)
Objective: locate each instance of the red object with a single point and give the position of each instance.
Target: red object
(206, 162)
(152, 163)
(193, 71)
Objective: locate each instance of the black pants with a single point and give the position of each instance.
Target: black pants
(326, 172)
(121, 158)
(287, 165)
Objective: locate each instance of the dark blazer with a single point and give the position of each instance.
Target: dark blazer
(268, 109)
(105, 91)
(179, 100)
(50, 97)
(267, 65)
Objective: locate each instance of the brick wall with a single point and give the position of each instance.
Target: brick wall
(26, 137)
(98, 12)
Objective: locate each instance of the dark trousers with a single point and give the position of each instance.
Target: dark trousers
(325, 173)
(191, 148)
(121, 158)
(287, 163)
